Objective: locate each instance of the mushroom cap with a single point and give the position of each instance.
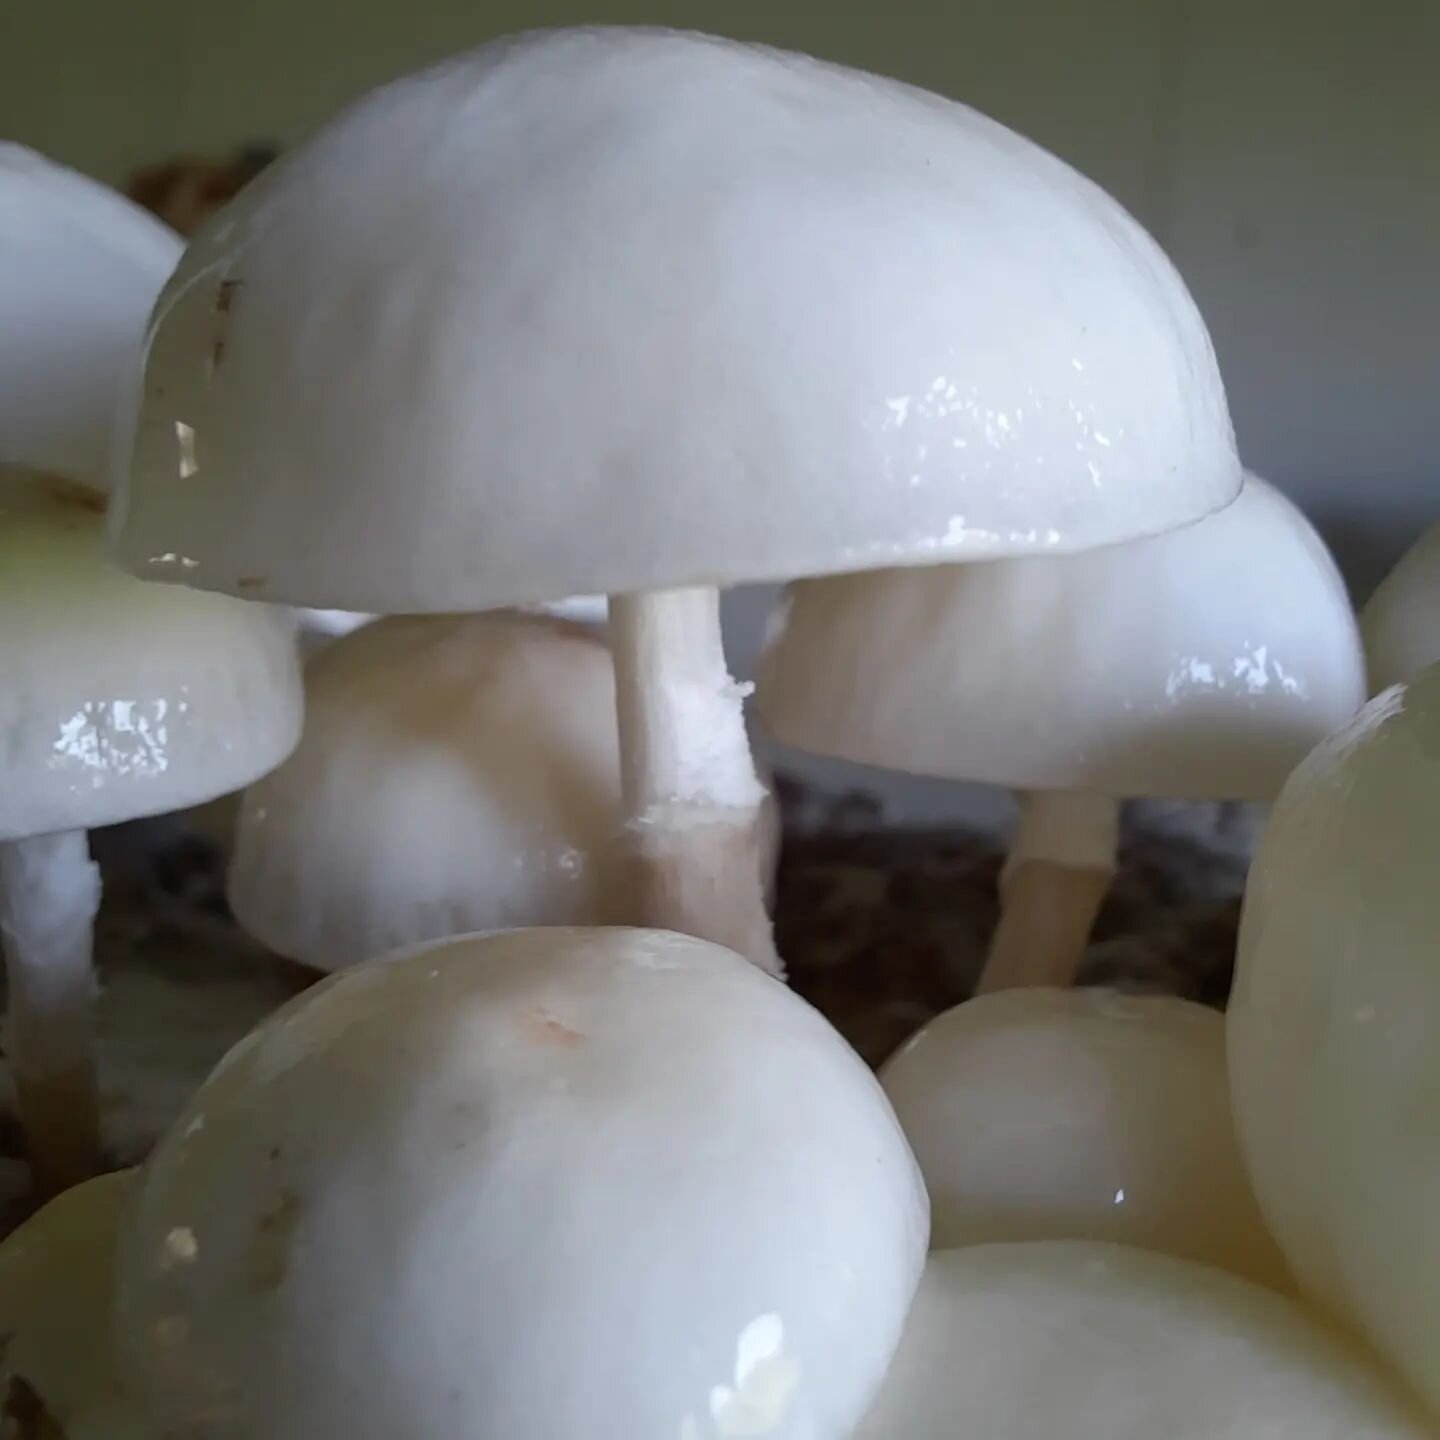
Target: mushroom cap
(1094, 1341)
(456, 773)
(1401, 621)
(80, 267)
(1333, 1025)
(1040, 1114)
(55, 1297)
(1202, 664)
(120, 699)
(607, 310)
(567, 1183)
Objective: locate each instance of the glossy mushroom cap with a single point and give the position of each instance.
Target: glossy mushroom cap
(1092, 1341)
(120, 699)
(56, 1377)
(624, 309)
(457, 773)
(1040, 1114)
(80, 267)
(571, 1183)
(1401, 621)
(1201, 664)
(1333, 1026)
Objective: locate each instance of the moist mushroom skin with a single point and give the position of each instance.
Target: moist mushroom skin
(561, 1182)
(1081, 1114)
(648, 314)
(1078, 681)
(120, 700)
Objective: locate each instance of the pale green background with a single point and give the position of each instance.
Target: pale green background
(1286, 153)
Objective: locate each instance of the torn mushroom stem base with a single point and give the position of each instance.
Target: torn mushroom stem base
(1059, 869)
(49, 893)
(691, 797)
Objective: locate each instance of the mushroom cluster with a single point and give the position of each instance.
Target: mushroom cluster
(640, 315)
(117, 699)
(739, 316)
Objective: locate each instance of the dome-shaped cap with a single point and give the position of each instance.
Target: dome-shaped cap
(615, 310)
(120, 699)
(560, 1183)
(1333, 1022)
(80, 267)
(457, 773)
(1201, 664)
(1091, 1341)
(1401, 621)
(1040, 1114)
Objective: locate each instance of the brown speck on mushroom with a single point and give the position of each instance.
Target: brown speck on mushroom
(225, 296)
(274, 1236)
(249, 582)
(547, 1030)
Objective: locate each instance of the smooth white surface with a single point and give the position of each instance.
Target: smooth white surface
(1201, 665)
(456, 773)
(120, 699)
(560, 1183)
(1091, 1341)
(1333, 1025)
(55, 1295)
(1401, 620)
(630, 309)
(1042, 1114)
(80, 267)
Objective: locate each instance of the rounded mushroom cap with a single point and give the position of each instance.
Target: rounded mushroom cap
(1093, 1341)
(1401, 621)
(567, 1183)
(1202, 664)
(1333, 1024)
(80, 267)
(55, 1297)
(456, 773)
(622, 309)
(120, 699)
(1042, 1114)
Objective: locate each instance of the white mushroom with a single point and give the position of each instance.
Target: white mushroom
(1333, 1026)
(1090, 1341)
(457, 773)
(80, 267)
(648, 313)
(56, 1379)
(570, 1183)
(120, 699)
(1401, 621)
(1201, 664)
(1042, 1114)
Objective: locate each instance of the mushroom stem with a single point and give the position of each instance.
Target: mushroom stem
(49, 893)
(691, 798)
(1060, 866)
